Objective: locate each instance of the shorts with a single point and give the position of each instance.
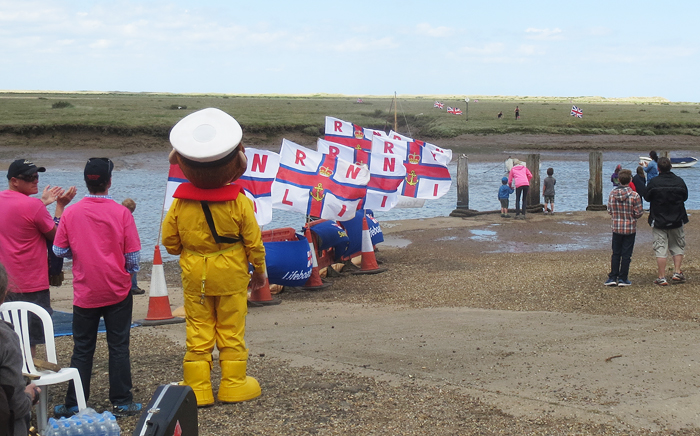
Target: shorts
(549, 199)
(504, 203)
(36, 327)
(668, 241)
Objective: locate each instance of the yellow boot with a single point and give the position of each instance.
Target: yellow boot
(197, 375)
(235, 385)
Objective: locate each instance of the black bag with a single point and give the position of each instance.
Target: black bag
(171, 411)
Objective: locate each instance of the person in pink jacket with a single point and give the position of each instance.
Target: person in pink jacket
(521, 176)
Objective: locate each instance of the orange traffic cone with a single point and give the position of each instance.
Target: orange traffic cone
(314, 283)
(262, 296)
(158, 302)
(369, 262)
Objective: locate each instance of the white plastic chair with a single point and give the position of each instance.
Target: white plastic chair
(16, 313)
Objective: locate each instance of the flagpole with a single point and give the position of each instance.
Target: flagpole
(396, 124)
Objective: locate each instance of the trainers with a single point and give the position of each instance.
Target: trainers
(610, 282)
(62, 411)
(624, 283)
(137, 291)
(127, 409)
(678, 277)
(661, 281)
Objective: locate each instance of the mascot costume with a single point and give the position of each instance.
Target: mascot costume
(212, 226)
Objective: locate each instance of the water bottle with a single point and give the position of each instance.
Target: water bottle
(90, 427)
(113, 426)
(76, 427)
(102, 428)
(53, 428)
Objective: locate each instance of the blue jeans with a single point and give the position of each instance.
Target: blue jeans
(523, 190)
(134, 283)
(118, 325)
(622, 246)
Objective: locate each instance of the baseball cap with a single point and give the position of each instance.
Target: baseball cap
(98, 170)
(23, 167)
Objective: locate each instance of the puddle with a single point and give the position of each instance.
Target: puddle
(395, 242)
(574, 223)
(483, 235)
(582, 243)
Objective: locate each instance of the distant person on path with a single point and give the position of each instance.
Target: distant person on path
(548, 191)
(521, 176)
(135, 290)
(26, 226)
(652, 168)
(639, 182)
(101, 237)
(500, 115)
(504, 196)
(666, 194)
(625, 208)
(614, 177)
(517, 113)
(16, 397)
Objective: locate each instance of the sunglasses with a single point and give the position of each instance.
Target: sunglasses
(32, 178)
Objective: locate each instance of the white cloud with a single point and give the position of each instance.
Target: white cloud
(544, 34)
(486, 49)
(100, 44)
(435, 32)
(530, 50)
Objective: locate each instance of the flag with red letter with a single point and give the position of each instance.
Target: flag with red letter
(257, 181)
(318, 184)
(387, 171)
(175, 177)
(336, 150)
(576, 112)
(350, 135)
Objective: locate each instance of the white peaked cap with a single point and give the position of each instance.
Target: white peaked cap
(206, 135)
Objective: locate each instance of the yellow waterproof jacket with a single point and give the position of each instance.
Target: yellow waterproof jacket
(207, 267)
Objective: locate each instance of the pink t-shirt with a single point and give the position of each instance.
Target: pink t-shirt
(23, 222)
(99, 231)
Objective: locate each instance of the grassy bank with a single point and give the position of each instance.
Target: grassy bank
(154, 114)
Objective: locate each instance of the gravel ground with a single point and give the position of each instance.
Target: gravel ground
(555, 265)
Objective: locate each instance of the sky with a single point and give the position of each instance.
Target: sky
(611, 48)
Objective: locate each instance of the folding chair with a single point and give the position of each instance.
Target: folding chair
(16, 313)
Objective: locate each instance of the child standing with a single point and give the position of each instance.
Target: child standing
(521, 176)
(503, 195)
(548, 191)
(625, 207)
(135, 290)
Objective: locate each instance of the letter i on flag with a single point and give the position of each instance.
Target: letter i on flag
(257, 181)
(426, 176)
(318, 184)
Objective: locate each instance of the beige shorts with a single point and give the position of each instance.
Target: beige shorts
(668, 241)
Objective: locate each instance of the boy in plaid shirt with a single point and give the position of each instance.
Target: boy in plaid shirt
(625, 207)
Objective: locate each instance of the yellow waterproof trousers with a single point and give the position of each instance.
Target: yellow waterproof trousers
(216, 320)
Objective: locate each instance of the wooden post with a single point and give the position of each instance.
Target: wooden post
(664, 153)
(463, 182)
(533, 195)
(595, 182)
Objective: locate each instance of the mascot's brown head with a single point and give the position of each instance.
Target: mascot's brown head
(207, 146)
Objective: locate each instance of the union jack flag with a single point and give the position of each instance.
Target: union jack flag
(576, 112)
(457, 111)
(450, 110)
(439, 105)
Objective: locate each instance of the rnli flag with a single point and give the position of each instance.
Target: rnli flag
(318, 184)
(175, 178)
(426, 177)
(257, 181)
(576, 112)
(387, 171)
(350, 135)
(441, 155)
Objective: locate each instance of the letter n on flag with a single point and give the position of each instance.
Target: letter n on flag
(318, 184)
(257, 181)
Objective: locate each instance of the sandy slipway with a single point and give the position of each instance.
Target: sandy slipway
(480, 326)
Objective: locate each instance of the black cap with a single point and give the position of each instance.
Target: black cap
(98, 170)
(23, 167)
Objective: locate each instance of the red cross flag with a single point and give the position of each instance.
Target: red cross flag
(350, 135)
(387, 171)
(441, 155)
(426, 177)
(318, 184)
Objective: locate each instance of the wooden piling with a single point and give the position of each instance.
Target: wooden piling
(595, 182)
(533, 195)
(463, 182)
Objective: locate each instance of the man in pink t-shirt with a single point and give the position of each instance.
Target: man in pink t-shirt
(100, 235)
(26, 227)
